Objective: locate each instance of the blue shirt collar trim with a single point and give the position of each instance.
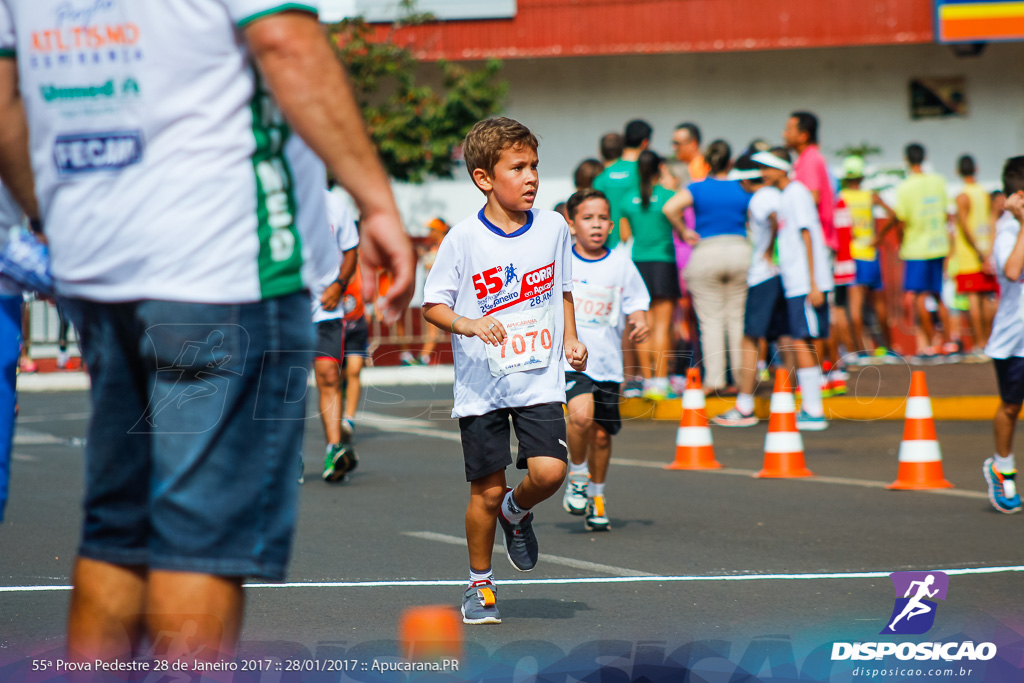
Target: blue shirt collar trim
(607, 253)
(501, 233)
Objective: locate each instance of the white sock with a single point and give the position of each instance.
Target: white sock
(486, 575)
(745, 403)
(580, 469)
(511, 511)
(595, 490)
(1005, 465)
(810, 390)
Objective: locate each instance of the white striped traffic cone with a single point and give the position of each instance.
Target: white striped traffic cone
(694, 450)
(783, 445)
(920, 455)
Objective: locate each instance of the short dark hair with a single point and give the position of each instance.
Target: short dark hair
(1013, 175)
(611, 146)
(914, 152)
(489, 138)
(585, 173)
(637, 131)
(806, 122)
(965, 166)
(573, 205)
(717, 156)
(691, 129)
(782, 153)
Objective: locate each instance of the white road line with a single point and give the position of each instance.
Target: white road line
(544, 557)
(582, 580)
(25, 419)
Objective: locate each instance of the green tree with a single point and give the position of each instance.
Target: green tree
(415, 126)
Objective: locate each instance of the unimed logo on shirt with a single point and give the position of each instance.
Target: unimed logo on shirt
(87, 152)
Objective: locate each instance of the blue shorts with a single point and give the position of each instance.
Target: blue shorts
(923, 276)
(196, 432)
(869, 274)
(766, 316)
(806, 321)
(1010, 376)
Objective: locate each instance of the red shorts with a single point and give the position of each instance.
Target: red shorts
(976, 283)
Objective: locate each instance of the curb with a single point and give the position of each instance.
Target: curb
(838, 408)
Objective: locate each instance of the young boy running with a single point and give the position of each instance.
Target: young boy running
(765, 316)
(1006, 343)
(806, 279)
(329, 318)
(608, 291)
(501, 284)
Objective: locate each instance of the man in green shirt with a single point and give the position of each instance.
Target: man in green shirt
(921, 211)
(620, 180)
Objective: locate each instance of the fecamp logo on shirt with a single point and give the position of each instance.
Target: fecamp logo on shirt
(102, 151)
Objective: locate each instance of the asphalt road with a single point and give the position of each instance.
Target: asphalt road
(656, 595)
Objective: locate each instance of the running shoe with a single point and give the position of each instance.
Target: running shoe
(520, 542)
(1002, 489)
(27, 365)
(734, 418)
(809, 423)
(950, 353)
(302, 470)
(889, 357)
(632, 391)
(63, 358)
(480, 604)
(926, 356)
(574, 501)
(339, 460)
(763, 375)
(596, 519)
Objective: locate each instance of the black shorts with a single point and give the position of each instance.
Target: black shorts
(661, 278)
(766, 315)
(606, 399)
(1010, 376)
(486, 438)
(357, 338)
(840, 295)
(330, 339)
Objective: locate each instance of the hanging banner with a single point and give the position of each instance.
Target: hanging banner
(972, 21)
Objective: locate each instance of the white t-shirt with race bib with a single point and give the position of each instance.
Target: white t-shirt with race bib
(1007, 338)
(763, 204)
(605, 291)
(163, 168)
(519, 279)
(797, 213)
(345, 236)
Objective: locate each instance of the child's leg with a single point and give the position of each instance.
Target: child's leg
(579, 428)
(543, 479)
(353, 367)
(600, 454)
(924, 318)
(1005, 425)
(328, 382)
(882, 313)
(857, 317)
(809, 378)
(974, 311)
(485, 496)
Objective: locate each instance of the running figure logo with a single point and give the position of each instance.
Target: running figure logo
(510, 274)
(914, 612)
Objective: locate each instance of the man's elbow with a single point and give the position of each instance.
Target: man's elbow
(285, 35)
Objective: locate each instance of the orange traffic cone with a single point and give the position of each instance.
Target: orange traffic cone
(920, 456)
(783, 445)
(430, 633)
(693, 439)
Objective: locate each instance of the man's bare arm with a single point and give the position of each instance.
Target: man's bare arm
(315, 96)
(15, 164)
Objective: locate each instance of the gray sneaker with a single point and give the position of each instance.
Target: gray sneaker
(479, 604)
(574, 501)
(520, 542)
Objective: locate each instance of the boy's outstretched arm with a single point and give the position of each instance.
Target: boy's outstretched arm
(575, 351)
(487, 328)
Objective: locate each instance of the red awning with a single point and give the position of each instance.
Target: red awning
(552, 28)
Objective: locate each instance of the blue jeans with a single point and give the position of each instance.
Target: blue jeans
(10, 349)
(198, 413)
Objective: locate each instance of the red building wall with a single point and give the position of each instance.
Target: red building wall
(548, 28)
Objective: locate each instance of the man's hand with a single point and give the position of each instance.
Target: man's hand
(576, 354)
(1015, 205)
(331, 296)
(691, 237)
(488, 329)
(638, 320)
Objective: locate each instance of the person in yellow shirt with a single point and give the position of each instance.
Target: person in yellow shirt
(973, 239)
(921, 210)
(864, 241)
